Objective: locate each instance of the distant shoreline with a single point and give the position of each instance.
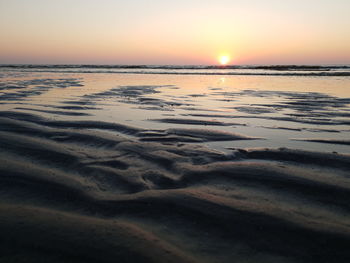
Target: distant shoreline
(252, 70)
(121, 66)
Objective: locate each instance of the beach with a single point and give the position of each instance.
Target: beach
(174, 164)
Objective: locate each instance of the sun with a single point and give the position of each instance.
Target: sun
(224, 59)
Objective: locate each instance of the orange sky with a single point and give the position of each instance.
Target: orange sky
(175, 32)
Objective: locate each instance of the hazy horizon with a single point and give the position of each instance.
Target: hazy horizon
(175, 33)
(174, 65)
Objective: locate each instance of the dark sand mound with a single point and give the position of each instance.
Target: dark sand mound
(195, 122)
(170, 135)
(305, 119)
(64, 113)
(71, 193)
(331, 141)
(17, 90)
(139, 95)
(300, 107)
(303, 129)
(41, 235)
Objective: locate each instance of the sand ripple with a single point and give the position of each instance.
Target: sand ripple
(73, 192)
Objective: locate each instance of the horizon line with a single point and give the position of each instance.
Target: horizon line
(173, 65)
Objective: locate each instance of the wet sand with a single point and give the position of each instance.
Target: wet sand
(77, 186)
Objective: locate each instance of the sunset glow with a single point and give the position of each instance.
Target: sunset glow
(224, 59)
(175, 32)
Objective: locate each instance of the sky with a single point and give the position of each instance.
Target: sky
(180, 32)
